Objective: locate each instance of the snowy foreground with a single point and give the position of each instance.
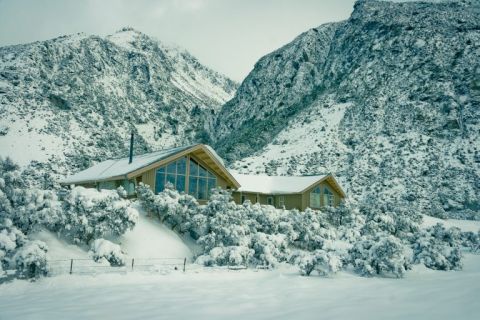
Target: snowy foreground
(203, 293)
(247, 294)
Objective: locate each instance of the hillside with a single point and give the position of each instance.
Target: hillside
(73, 100)
(388, 101)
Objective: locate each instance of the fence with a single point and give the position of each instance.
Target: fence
(88, 266)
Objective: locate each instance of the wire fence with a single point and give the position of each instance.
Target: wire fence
(88, 266)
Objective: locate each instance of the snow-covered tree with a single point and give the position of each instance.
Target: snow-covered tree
(438, 248)
(382, 254)
(31, 259)
(171, 207)
(89, 214)
(26, 206)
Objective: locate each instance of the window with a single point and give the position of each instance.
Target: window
(270, 201)
(315, 198)
(281, 201)
(327, 197)
(201, 181)
(173, 173)
(129, 186)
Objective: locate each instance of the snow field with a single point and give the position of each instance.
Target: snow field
(247, 294)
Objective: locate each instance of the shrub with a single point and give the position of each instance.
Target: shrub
(226, 256)
(325, 263)
(438, 248)
(31, 259)
(89, 214)
(382, 254)
(104, 249)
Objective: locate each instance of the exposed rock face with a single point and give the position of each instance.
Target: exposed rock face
(75, 99)
(388, 100)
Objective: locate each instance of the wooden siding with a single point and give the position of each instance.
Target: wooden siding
(306, 195)
(299, 201)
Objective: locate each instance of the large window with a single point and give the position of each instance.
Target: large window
(174, 173)
(327, 197)
(201, 181)
(315, 198)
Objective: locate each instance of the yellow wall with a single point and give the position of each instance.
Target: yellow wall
(306, 196)
(298, 201)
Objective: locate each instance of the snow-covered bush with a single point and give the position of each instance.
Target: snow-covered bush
(31, 259)
(26, 206)
(89, 214)
(342, 215)
(11, 239)
(269, 249)
(381, 254)
(381, 216)
(226, 256)
(471, 240)
(323, 262)
(311, 229)
(173, 208)
(103, 249)
(438, 248)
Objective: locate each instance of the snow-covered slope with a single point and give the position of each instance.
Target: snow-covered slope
(72, 100)
(388, 101)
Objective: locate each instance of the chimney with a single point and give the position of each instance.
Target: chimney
(131, 149)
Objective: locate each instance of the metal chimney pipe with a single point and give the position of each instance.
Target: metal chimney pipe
(131, 149)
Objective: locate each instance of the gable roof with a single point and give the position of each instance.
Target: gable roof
(121, 169)
(282, 184)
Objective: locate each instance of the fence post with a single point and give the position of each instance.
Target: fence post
(184, 263)
(71, 266)
(133, 261)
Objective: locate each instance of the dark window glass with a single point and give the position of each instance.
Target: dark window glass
(193, 168)
(211, 185)
(211, 175)
(180, 183)
(161, 170)
(192, 186)
(182, 166)
(171, 168)
(201, 171)
(159, 182)
(202, 188)
(269, 201)
(171, 179)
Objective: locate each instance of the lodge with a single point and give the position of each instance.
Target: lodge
(197, 169)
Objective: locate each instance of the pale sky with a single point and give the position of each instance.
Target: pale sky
(226, 35)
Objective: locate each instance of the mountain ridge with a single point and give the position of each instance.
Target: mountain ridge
(394, 112)
(73, 100)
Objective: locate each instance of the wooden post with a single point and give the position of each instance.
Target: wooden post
(133, 261)
(184, 264)
(71, 266)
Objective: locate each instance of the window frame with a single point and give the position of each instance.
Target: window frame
(317, 193)
(270, 201)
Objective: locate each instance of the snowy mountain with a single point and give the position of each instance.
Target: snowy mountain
(388, 101)
(75, 99)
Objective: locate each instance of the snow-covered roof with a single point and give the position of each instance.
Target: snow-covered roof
(119, 167)
(275, 184)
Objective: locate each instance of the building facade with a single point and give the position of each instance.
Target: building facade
(197, 169)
